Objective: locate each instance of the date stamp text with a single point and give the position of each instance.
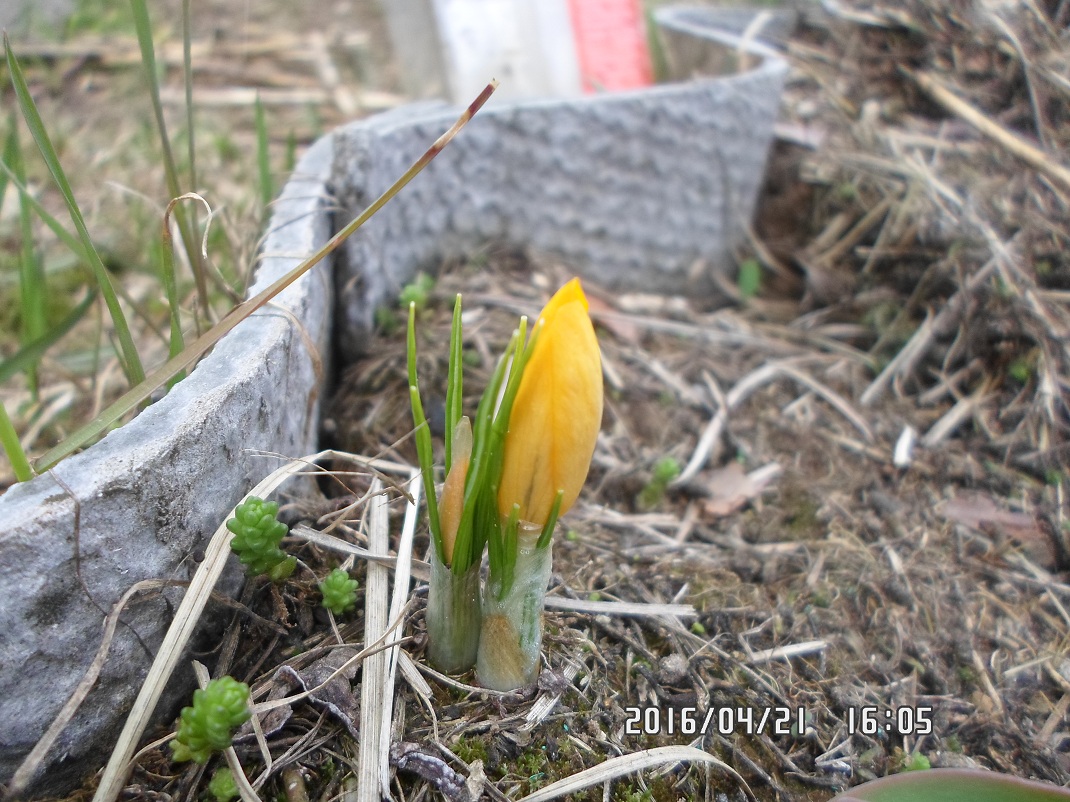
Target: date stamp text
(719, 720)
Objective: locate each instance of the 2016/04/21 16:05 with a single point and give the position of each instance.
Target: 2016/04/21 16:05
(770, 720)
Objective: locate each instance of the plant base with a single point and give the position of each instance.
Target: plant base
(453, 617)
(511, 642)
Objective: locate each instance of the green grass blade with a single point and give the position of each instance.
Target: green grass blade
(423, 439)
(454, 381)
(263, 161)
(551, 522)
(32, 287)
(31, 274)
(202, 344)
(10, 142)
(30, 354)
(71, 241)
(187, 77)
(128, 353)
(479, 516)
(516, 372)
(176, 342)
(148, 61)
(13, 448)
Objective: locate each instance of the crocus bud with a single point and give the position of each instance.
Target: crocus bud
(557, 413)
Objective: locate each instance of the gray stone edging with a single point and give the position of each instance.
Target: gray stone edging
(617, 185)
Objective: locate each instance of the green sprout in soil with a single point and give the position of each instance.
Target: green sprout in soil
(418, 291)
(339, 591)
(917, 762)
(222, 786)
(257, 534)
(665, 470)
(749, 280)
(912, 762)
(208, 725)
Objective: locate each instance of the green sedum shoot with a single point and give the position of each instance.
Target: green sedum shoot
(339, 591)
(208, 725)
(257, 534)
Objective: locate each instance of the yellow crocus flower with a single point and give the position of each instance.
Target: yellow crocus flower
(557, 413)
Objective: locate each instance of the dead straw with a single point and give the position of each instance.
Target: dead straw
(1011, 142)
(629, 764)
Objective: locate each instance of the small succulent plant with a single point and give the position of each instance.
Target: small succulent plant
(257, 534)
(208, 725)
(339, 591)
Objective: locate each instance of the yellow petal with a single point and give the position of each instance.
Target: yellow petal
(557, 412)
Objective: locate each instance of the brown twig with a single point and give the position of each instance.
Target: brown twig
(1010, 141)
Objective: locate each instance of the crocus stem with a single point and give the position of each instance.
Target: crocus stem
(511, 639)
(453, 616)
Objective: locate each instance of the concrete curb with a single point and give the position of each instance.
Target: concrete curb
(678, 167)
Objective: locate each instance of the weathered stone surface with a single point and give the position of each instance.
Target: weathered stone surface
(630, 188)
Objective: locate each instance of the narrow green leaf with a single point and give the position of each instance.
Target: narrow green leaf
(128, 353)
(31, 274)
(30, 354)
(167, 275)
(423, 440)
(9, 143)
(263, 161)
(749, 280)
(454, 381)
(516, 372)
(32, 286)
(479, 523)
(9, 439)
(487, 530)
(551, 522)
(148, 61)
(187, 77)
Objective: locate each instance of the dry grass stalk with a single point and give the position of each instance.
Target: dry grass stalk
(629, 764)
(787, 652)
(1014, 144)
(376, 701)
